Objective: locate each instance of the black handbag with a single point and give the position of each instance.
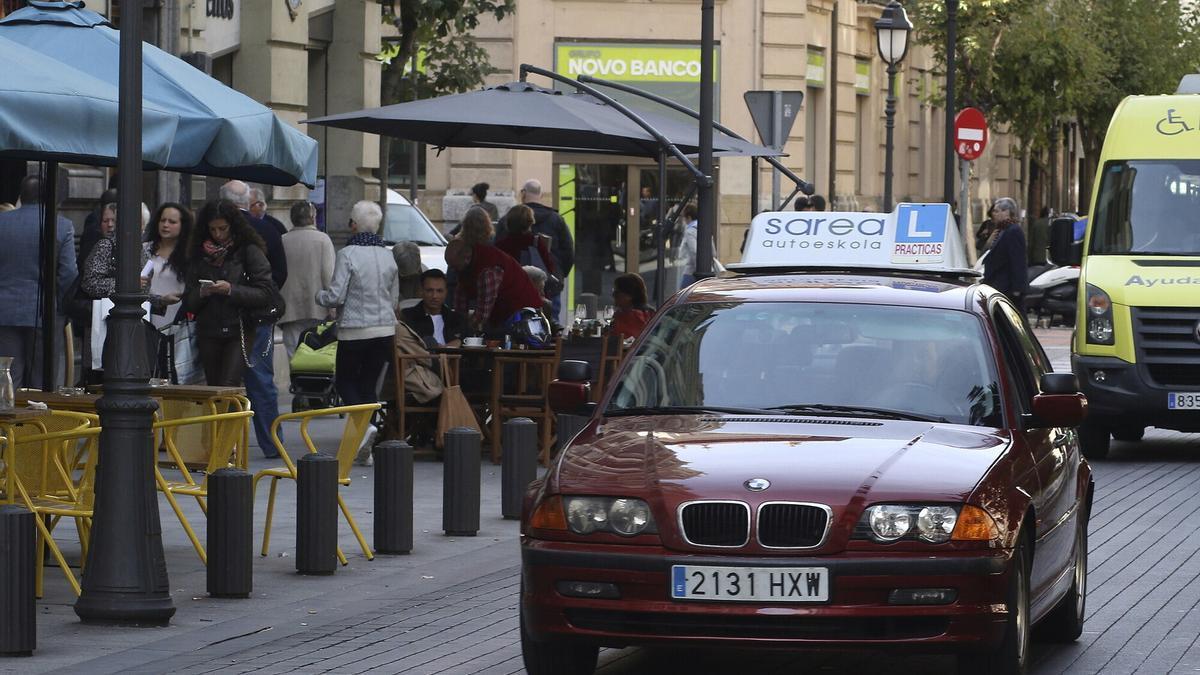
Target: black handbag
(272, 312)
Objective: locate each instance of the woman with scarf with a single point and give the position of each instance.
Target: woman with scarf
(228, 274)
(1004, 269)
(365, 289)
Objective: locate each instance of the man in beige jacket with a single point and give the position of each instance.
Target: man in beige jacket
(310, 258)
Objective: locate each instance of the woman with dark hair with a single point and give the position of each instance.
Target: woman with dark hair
(479, 193)
(227, 274)
(165, 273)
(632, 312)
(521, 243)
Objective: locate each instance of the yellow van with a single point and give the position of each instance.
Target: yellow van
(1136, 348)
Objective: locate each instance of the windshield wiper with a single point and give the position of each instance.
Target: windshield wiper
(857, 411)
(684, 410)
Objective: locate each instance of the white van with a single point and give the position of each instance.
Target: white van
(405, 222)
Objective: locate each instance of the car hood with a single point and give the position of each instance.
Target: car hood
(834, 461)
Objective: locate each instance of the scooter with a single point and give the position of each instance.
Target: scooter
(1053, 292)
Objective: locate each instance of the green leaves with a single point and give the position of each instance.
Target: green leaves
(452, 61)
(1032, 63)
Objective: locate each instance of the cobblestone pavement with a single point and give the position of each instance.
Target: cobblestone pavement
(450, 607)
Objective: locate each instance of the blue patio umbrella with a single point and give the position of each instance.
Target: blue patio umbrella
(221, 131)
(50, 111)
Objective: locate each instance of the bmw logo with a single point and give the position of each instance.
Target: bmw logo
(757, 484)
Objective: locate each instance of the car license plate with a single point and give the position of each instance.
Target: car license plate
(750, 584)
(1183, 400)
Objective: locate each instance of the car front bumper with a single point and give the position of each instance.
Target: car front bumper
(1126, 396)
(857, 614)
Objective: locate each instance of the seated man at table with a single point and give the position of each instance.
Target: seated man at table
(493, 281)
(437, 324)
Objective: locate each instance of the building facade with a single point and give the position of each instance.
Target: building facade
(306, 58)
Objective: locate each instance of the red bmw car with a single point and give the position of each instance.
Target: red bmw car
(817, 461)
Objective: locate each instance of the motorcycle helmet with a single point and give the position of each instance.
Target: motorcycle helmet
(527, 326)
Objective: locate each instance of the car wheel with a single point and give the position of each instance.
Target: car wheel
(1012, 656)
(1129, 434)
(556, 657)
(1094, 439)
(1064, 623)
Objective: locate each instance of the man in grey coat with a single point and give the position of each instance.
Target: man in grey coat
(20, 294)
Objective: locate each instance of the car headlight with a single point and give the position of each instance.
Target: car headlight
(1099, 317)
(934, 523)
(623, 516)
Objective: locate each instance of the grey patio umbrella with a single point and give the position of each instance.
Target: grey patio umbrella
(523, 116)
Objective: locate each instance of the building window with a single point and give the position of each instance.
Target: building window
(399, 157)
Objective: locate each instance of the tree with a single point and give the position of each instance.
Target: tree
(440, 32)
(1151, 44)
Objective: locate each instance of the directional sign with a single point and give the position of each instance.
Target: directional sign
(762, 106)
(970, 133)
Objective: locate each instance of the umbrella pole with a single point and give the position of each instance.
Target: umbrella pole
(125, 581)
(707, 203)
(49, 272)
(660, 222)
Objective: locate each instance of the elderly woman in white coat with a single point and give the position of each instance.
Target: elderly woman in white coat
(365, 289)
(310, 259)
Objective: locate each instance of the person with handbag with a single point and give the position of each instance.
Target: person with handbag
(365, 289)
(228, 275)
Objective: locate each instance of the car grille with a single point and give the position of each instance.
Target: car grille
(1167, 345)
(716, 523)
(783, 525)
(673, 624)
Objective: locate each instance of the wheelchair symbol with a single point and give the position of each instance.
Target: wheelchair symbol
(1171, 121)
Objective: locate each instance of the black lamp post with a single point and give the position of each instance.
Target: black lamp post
(891, 31)
(706, 202)
(125, 581)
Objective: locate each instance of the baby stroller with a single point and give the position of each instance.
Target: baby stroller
(313, 367)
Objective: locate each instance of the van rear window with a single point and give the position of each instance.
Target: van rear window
(1148, 207)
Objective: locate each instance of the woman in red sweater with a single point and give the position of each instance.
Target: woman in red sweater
(632, 313)
(522, 244)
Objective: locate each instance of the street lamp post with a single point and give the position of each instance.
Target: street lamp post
(706, 202)
(891, 31)
(125, 581)
(948, 150)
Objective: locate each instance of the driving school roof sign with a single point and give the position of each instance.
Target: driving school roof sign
(914, 236)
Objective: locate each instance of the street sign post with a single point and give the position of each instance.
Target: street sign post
(774, 113)
(970, 133)
(970, 140)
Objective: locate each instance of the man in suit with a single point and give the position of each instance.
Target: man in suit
(20, 292)
(260, 376)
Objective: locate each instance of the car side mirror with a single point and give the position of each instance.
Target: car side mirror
(1064, 250)
(572, 389)
(1060, 383)
(575, 371)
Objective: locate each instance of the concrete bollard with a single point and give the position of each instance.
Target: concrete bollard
(519, 464)
(18, 555)
(230, 533)
(316, 514)
(460, 483)
(568, 427)
(393, 497)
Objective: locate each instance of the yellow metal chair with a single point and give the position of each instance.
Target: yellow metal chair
(228, 433)
(358, 417)
(40, 456)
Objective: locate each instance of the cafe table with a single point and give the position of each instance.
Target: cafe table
(181, 401)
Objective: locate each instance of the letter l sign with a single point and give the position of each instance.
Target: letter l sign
(913, 232)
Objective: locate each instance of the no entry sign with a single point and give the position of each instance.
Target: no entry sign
(970, 133)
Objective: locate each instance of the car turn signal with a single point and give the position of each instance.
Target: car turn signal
(549, 515)
(974, 524)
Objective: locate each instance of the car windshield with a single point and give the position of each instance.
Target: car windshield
(814, 358)
(405, 222)
(1148, 208)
